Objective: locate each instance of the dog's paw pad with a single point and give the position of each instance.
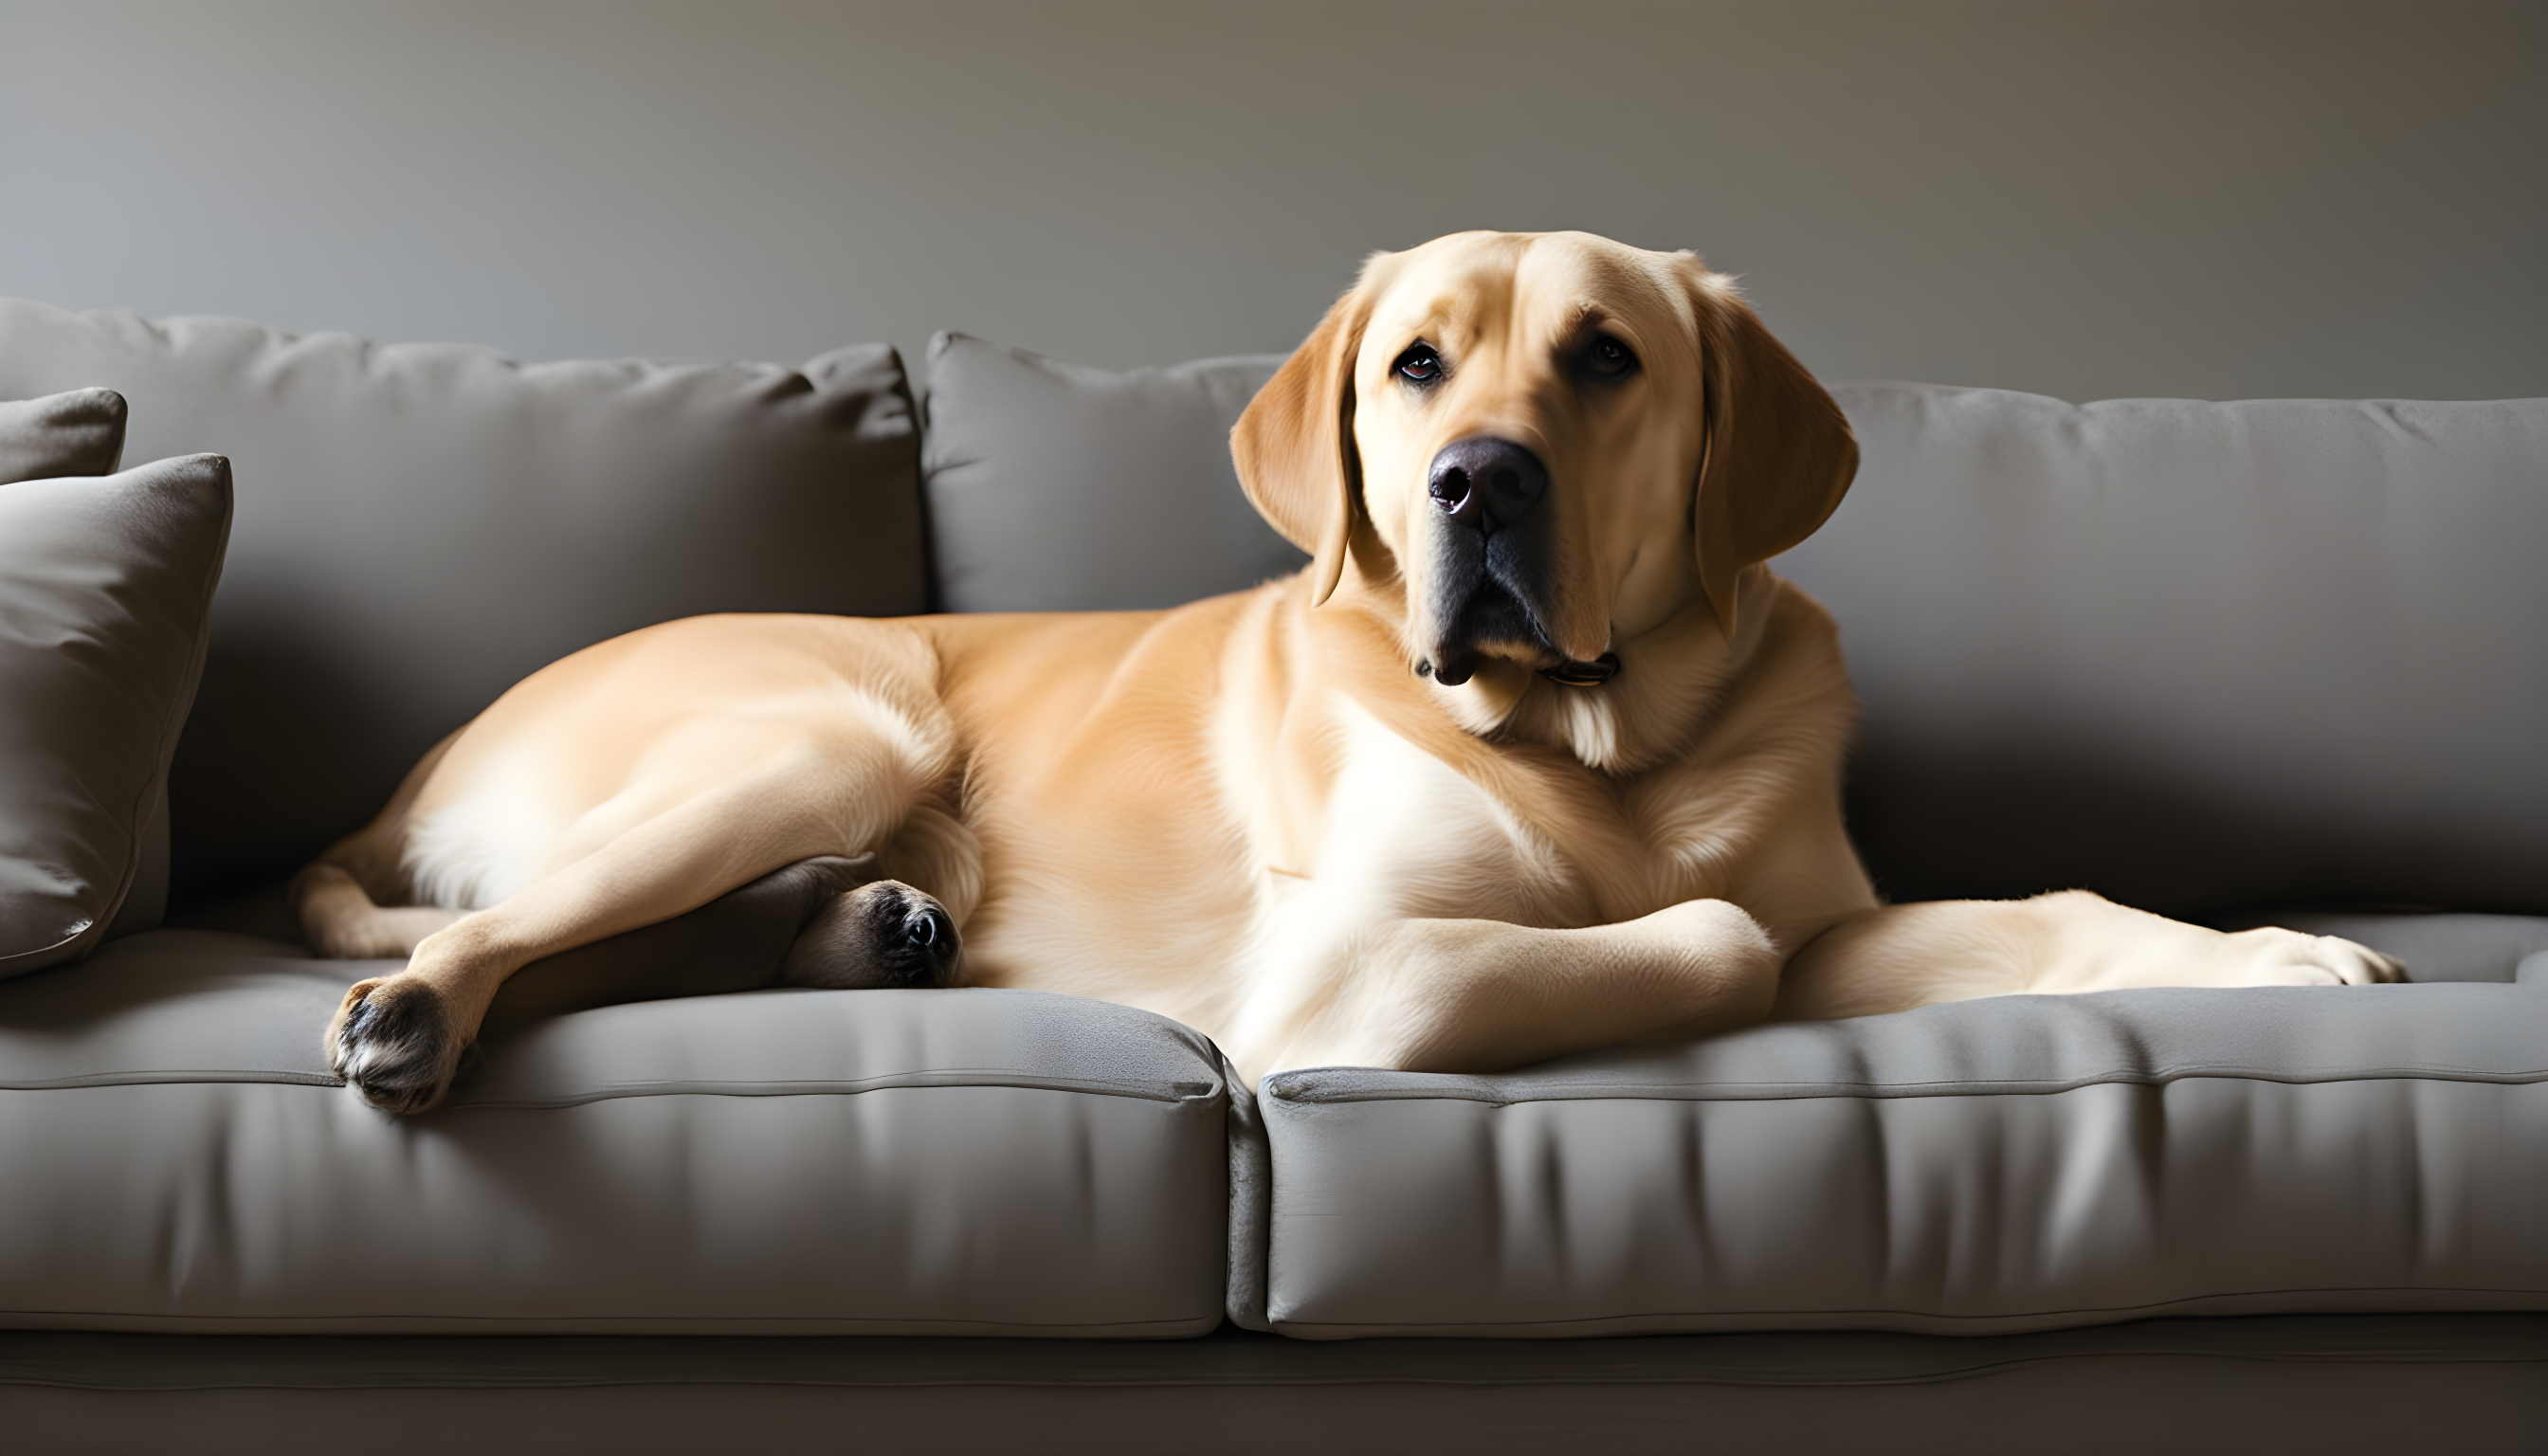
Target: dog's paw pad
(881, 935)
(393, 1046)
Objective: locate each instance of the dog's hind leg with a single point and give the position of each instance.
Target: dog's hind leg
(338, 897)
(340, 922)
(398, 1038)
(816, 922)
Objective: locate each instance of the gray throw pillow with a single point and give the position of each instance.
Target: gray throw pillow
(81, 432)
(1057, 488)
(78, 432)
(106, 589)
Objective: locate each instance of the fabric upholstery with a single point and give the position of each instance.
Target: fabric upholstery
(2196, 656)
(106, 590)
(1059, 487)
(976, 1161)
(74, 432)
(420, 526)
(2001, 1164)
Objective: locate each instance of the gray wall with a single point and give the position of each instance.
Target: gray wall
(2087, 200)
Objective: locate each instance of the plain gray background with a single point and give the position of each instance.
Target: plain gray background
(2082, 199)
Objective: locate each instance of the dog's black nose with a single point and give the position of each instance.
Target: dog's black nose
(1486, 484)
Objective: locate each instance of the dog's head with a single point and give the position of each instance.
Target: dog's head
(1535, 447)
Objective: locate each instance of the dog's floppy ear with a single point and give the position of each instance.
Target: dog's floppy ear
(1779, 453)
(1294, 445)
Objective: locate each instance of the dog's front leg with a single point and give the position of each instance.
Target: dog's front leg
(1482, 996)
(1906, 955)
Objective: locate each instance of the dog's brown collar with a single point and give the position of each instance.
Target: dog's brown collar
(1584, 675)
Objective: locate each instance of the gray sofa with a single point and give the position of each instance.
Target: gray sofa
(2272, 662)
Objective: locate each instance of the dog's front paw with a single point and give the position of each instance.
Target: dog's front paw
(882, 934)
(2274, 957)
(392, 1042)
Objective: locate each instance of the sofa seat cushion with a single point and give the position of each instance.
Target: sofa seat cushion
(1994, 1166)
(180, 1157)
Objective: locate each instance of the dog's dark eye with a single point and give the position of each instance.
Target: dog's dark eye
(1418, 365)
(1607, 358)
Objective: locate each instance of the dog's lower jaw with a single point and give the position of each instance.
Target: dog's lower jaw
(1470, 644)
(1453, 663)
(394, 1046)
(1478, 618)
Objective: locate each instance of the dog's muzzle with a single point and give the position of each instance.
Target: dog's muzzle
(1488, 557)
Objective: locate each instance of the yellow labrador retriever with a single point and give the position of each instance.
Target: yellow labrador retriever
(1535, 756)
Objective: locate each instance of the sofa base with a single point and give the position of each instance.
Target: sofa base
(2473, 1383)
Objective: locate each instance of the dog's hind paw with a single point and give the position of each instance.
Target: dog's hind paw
(882, 934)
(393, 1043)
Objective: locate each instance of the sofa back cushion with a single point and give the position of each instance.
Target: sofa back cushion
(2195, 656)
(419, 526)
(1058, 488)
